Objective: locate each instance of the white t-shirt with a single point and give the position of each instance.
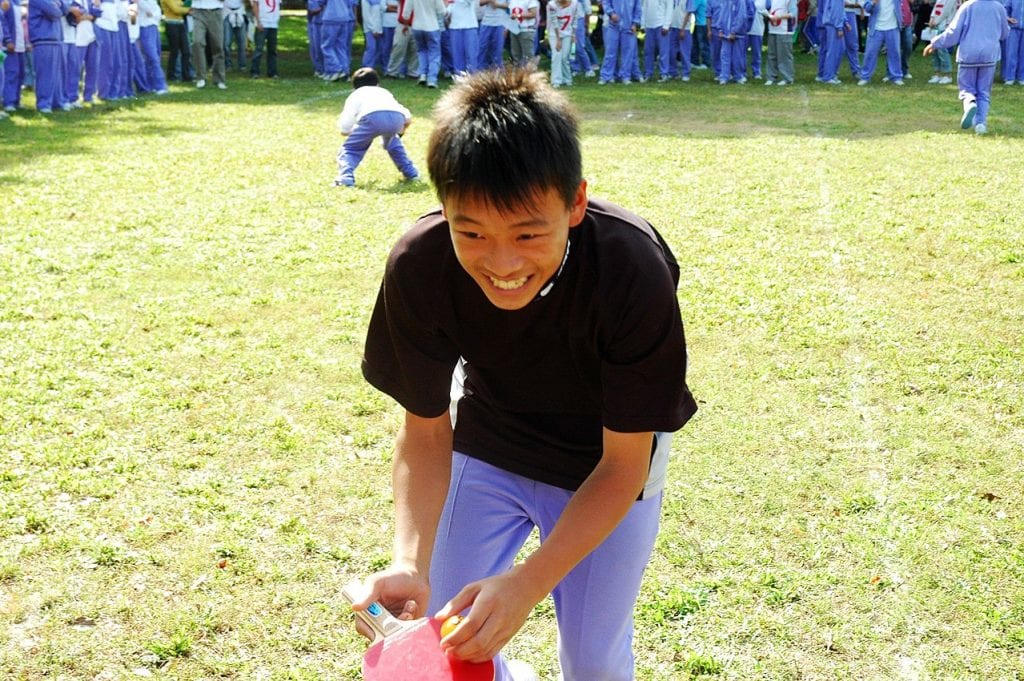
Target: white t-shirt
(886, 20)
(514, 6)
(366, 100)
(656, 13)
(463, 13)
(757, 25)
(149, 13)
(785, 26)
(562, 20)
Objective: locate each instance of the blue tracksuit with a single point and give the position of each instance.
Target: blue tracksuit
(1013, 62)
(978, 27)
(620, 39)
(734, 24)
(47, 34)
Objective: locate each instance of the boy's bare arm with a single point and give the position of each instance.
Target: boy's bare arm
(501, 604)
(420, 473)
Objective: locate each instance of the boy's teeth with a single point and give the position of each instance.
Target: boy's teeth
(508, 285)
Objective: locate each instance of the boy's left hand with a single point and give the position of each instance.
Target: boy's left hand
(498, 607)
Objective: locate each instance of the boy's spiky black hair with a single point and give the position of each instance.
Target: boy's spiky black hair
(503, 136)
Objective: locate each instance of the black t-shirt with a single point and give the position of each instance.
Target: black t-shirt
(603, 348)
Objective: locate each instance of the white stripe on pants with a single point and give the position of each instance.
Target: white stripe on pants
(490, 513)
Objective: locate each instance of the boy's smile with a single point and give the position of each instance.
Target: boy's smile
(511, 255)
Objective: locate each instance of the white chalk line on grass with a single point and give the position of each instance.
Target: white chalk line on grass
(876, 463)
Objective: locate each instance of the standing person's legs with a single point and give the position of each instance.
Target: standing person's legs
(983, 80)
(14, 75)
(259, 40)
(967, 82)
(271, 35)
(47, 85)
(1013, 68)
(227, 42)
(892, 55)
(73, 77)
(771, 70)
(434, 57)
(906, 45)
(611, 53)
(685, 47)
(149, 41)
(755, 43)
(216, 39)
(871, 50)
(739, 59)
(91, 61)
(851, 43)
(786, 68)
(199, 37)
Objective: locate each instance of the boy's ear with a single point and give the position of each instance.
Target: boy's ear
(579, 205)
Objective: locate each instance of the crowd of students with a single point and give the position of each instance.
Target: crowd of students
(76, 52)
(85, 50)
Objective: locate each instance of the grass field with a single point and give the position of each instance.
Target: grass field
(191, 465)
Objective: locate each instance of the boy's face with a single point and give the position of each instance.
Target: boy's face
(512, 255)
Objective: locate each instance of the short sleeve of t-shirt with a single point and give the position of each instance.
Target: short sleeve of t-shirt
(407, 354)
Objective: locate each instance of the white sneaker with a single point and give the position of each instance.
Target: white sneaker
(769, 82)
(782, 83)
(222, 86)
(980, 129)
(1009, 82)
(521, 671)
(945, 80)
(200, 84)
(897, 82)
(933, 79)
(862, 82)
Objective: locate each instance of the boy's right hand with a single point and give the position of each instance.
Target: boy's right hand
(403, 592)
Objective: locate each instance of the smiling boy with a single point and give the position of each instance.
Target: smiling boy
(558, 315)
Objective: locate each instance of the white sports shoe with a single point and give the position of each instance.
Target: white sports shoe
(521, 671)
(200, 84)
(980, 129)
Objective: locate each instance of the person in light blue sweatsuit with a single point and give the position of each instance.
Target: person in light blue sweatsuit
(884, 25)
(371, 112)
(621, 23)
(1013, 60)
(736, 17)
(978, 28)
(46, 33)
(832, 28)
(314, 26)
(336, 30)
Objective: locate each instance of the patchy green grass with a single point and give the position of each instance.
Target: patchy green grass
(191, 465)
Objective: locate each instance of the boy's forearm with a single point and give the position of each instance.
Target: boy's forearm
(595, 510)
(421, 471)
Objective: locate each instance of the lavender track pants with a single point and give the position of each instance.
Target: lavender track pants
(383, 124)
(490, 513)
(975, 83)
